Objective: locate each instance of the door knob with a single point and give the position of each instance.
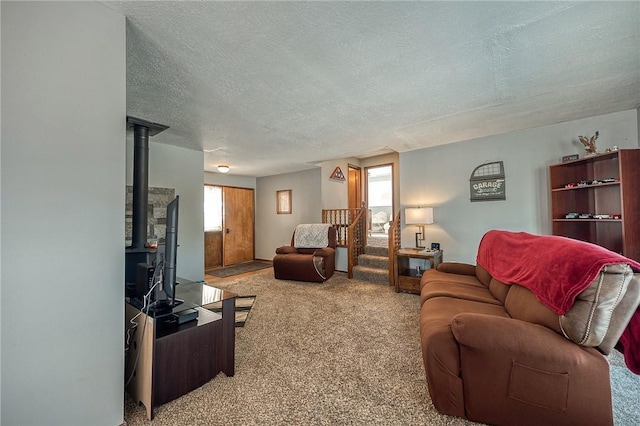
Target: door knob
(227, 230)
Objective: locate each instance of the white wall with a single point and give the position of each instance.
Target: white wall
(274, 230)
(229, 180)
(63, 194)
(179, 168)
(0, 234)
(439, 177)
(335, 193)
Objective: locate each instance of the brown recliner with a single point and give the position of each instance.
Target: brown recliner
(313, 264)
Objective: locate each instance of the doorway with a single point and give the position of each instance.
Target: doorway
(379, 196)
(228, 226)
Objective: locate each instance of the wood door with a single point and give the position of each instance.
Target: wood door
(238, 225)
(212, 226)
(355, 191)
(212, 249)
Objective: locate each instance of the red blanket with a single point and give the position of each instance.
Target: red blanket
(556, 269)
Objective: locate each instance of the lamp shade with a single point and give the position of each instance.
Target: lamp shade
(418, 215)
(222, 168)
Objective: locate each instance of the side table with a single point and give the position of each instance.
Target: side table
(407, 279)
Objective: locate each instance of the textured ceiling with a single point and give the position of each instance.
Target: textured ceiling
(275, 87)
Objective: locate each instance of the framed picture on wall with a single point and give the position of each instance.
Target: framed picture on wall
(283, 201)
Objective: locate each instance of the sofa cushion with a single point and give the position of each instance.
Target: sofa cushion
(522, 304)
(591, 318)
(498, 289)
(468, 291)
(306, 250)
(437, 275)
(483, 275)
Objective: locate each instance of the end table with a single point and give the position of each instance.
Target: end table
(408, 279)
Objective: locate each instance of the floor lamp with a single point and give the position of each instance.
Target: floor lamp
(418, 216)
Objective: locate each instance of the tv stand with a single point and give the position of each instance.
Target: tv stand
(163, 355)
(158, 310)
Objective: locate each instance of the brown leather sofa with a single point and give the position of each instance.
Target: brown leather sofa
(311, 264)
(493, 353)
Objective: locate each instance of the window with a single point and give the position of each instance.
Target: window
(212, 208)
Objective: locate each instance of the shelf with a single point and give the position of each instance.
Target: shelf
(573, 188)
(621, 197)
(410, 273)
(588, 220)
(591, 158)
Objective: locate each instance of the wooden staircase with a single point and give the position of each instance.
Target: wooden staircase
(352, 232)
(366, 260)
(373, 264)
(378, 262)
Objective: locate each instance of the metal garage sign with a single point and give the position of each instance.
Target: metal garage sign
(487, 182)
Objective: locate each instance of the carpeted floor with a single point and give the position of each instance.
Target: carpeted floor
(238, 269)
(625, 387)
(341, 352)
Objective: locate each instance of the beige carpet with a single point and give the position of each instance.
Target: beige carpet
(342, 352)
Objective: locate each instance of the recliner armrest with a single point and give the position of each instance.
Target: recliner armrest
(324, 252)
(524, 364)
(509, 337)
(286, 250)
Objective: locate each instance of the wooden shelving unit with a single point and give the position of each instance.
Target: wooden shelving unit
(577, 187)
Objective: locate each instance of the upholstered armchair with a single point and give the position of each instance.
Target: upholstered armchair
(311, 255)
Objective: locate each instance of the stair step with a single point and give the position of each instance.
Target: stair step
(373, 261)
(376, 251)
(375, 275)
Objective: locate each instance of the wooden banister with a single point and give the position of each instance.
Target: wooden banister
(352, 231)
(394, 246)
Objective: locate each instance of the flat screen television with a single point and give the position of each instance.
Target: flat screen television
(164, 293)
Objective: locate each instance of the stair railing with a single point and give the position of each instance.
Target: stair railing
(352, 232)
(394, 246)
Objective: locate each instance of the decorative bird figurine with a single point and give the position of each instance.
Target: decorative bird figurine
(589, 144)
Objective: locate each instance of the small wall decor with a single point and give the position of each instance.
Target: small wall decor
(337, 175)
(283, 201)
(590, 144)
(487, 182)
(571, 157)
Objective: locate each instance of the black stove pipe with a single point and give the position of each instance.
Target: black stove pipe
(140, 186)
(142, 130)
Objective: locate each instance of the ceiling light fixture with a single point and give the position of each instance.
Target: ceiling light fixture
(223, 168)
